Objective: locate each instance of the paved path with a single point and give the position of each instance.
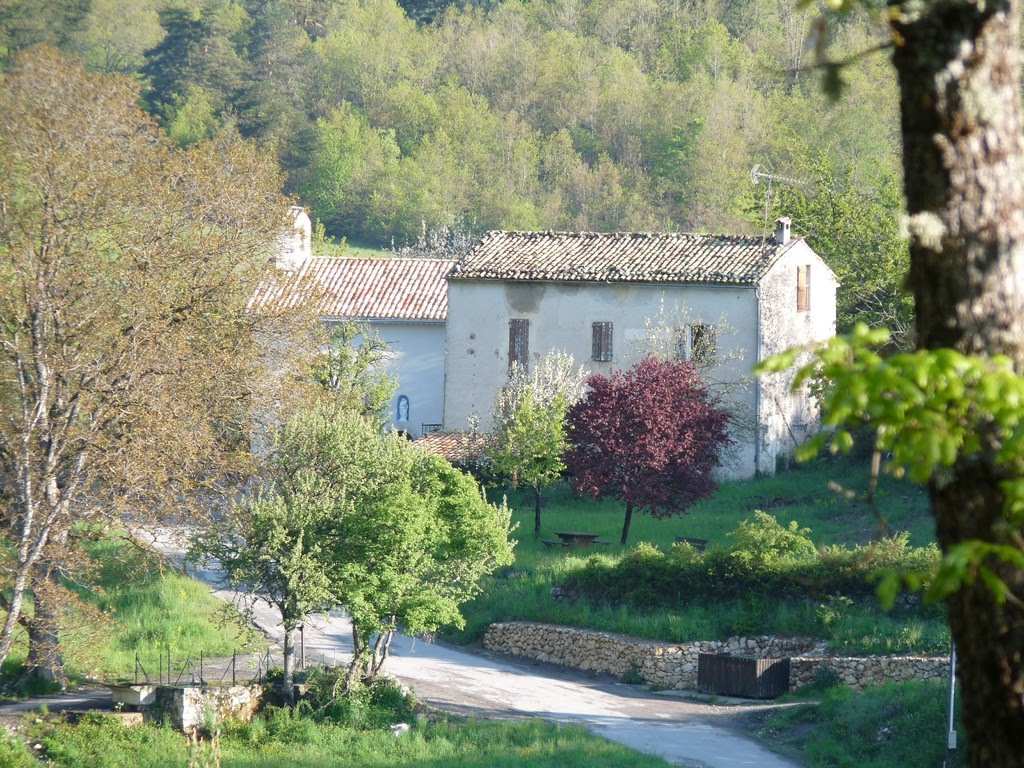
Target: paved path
(451, 679)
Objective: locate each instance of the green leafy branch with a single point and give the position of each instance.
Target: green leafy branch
(928, 410)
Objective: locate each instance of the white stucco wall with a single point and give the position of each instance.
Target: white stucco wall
(561, 317)
(788, 419)
(417, 360)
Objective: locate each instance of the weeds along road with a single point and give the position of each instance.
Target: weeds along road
(454, 680)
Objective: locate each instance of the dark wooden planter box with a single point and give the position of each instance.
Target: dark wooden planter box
(746, 676)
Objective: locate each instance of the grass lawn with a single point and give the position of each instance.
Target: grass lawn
(892, 726)
(279, 739)
(522, 592)
(144, 606)
(802, 494)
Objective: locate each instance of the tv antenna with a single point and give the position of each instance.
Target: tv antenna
(757, 175)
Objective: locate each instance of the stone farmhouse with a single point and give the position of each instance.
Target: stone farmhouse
(724, 302)
(610, 299)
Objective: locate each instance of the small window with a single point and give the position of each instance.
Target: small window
(697, 343)
(803, 288)
(518, 344)
(703, 344)
(601, 342)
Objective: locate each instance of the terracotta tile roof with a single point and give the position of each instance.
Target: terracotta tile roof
(454, 446)
(364, 289)
(620, 257)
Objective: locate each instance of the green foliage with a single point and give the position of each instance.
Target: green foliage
(928, 410)
(352, 370)
(898, 725)
(761, 541)
(523, 592)
(526, 116)
(356, 518)
(764, 561)
(380, 704)
(284, 737)
(528, 442)
(14, 754)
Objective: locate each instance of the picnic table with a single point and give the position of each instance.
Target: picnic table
(578, 538)
(699, 544)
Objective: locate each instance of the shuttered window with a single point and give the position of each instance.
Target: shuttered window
(518, 344)
(601, 344)
(803, 288)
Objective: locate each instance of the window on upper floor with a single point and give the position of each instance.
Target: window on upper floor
(601, 342)
(803, 288)
(698, 343)
(518, 344)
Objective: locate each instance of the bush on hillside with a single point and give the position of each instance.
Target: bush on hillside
(763, 560)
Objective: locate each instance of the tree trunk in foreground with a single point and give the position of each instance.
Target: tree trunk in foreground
(626, 522)
(45, 661)
(963, 156)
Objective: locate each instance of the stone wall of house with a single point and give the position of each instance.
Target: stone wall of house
(667, 665)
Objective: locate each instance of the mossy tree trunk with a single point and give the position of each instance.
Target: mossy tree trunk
(958, 69)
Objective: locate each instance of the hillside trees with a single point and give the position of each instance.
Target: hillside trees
(128, 364)
(649, 437)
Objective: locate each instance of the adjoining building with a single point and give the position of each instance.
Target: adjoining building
(404, 301)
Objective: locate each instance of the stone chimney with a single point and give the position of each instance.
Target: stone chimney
(782, 225)
(295, 244)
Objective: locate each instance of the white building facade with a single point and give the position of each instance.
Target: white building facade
(611, 299)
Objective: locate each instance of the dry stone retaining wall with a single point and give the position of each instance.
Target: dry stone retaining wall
(667, 665)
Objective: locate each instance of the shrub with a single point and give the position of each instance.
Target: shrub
(765, 561)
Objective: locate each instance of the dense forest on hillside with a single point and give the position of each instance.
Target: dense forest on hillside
(554, 114)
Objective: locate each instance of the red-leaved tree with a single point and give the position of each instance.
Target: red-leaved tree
(649, 437)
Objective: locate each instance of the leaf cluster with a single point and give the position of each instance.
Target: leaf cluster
(930, 411)
(350, 517)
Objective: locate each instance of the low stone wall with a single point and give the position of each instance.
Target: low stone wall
(189, 707)
(666, 665)
(859, 672)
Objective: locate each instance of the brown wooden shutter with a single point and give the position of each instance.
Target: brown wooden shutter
(518, 343)
(601, 342)
(803, 288)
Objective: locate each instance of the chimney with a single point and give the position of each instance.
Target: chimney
(782, 229)
(295, 244)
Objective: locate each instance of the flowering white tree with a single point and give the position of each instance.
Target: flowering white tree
(528, 442)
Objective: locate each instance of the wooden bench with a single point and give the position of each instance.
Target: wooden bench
(553, 543)
(699, 544)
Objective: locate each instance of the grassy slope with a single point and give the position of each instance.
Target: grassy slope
(278, 740)
(802, 494)
(148, 607)
(891, 726)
